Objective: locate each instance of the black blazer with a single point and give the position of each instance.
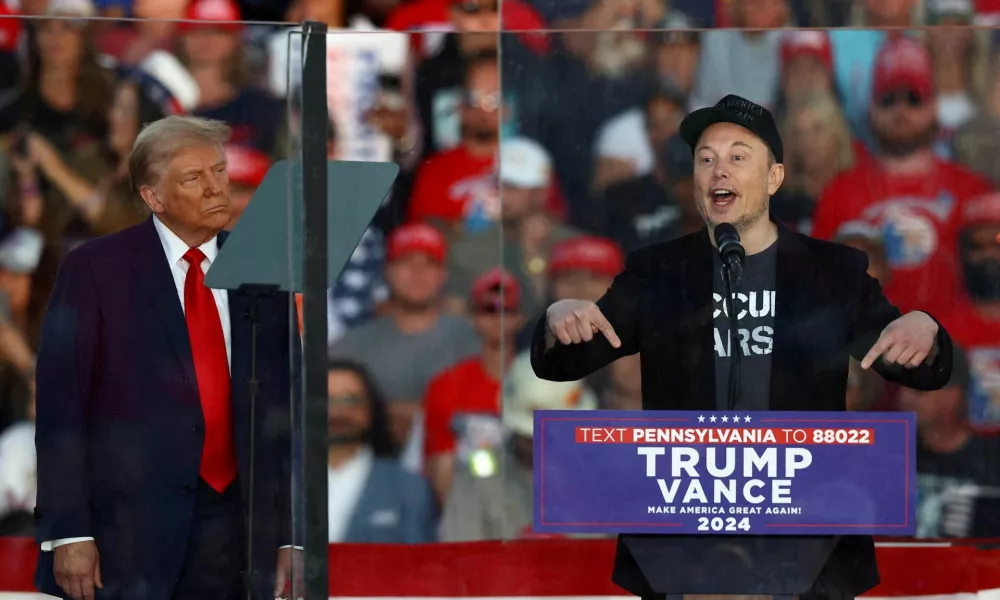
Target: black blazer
(827, 310)
(119, 430)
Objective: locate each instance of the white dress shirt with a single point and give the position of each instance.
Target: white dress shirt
(346, 484)
(174, 249)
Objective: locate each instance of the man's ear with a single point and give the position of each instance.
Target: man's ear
(775, 178)
(151, 198)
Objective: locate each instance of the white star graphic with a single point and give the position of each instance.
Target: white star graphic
(712, 418)
(725, 419)
(746, 419)
(701, 418)
(736, 419)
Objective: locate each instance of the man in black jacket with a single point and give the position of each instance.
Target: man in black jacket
(805, 307)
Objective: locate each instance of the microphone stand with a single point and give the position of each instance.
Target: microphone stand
(731, 279)
(255, 292)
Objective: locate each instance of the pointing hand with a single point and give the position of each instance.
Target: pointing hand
(576, 322)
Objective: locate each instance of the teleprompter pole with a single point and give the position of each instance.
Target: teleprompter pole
(315, 119)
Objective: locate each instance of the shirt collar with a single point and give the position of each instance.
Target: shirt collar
(175, 247)
(359, 464)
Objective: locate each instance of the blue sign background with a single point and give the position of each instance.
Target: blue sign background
(849, 489)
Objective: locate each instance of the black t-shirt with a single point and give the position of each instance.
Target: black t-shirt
(945, 489)
(755, 297)
(251, 116)
(637, 213)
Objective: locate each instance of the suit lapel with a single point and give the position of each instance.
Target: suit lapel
(150, 264)
(358, 528)
(795, 283)
(695, 283)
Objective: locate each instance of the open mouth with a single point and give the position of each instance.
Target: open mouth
(723, 197)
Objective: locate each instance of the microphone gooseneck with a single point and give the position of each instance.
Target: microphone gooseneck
(732, 254)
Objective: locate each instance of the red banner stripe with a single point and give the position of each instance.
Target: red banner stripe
(553, 568)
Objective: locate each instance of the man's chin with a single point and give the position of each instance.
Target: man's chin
(218, 219)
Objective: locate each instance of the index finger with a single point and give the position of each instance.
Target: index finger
(608, 331)
(881, 345)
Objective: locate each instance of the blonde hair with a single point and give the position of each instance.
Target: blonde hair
(160, 140)
(828, 109)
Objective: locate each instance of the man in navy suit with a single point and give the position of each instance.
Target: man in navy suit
(143, 412)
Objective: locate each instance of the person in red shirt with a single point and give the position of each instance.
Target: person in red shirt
(472, 387)
(975, 322)
(460, 186)
(908, 193)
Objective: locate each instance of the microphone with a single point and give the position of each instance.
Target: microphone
(732, 253)
(730, 249)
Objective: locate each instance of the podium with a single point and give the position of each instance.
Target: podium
(677, 565)
(768, 503)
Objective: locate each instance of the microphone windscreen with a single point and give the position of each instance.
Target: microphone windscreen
(726, 232)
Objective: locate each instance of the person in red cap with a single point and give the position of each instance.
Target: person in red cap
(806, 64)
(905, 190)
(975, 323)
(412, 339)
(247, 168)
(583, 267)
(473, 385)
(210, 45)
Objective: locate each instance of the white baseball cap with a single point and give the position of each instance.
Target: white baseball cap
(525, 163)
(174, 87)
(70, 8)
(524, 393)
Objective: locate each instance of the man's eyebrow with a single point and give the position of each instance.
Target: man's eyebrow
(196, 170)
(737, 143)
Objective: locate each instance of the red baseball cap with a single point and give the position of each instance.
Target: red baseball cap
(803, 42)
(586, 253)
(981, 210)
(224, 13)
(10, 29)
(496, 289)
(416, 238)
(903, 64)
(246, 166)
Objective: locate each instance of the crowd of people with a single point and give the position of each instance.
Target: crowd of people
(532, 162)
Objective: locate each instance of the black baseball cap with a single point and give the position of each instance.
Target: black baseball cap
(739, 111)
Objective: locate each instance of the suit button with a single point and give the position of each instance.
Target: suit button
(196, 428)
(188, 489)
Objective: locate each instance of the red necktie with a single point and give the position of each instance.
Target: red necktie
(211, 367)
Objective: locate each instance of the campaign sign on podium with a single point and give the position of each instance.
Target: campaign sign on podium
(757, 473)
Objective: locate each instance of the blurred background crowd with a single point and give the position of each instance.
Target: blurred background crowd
(533, 161)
